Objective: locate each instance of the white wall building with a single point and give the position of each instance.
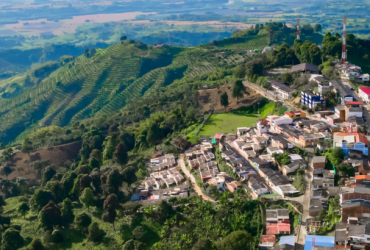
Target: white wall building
(364, 93)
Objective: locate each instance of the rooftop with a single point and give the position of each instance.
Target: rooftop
(323, 241)
(281, 85)
(272, 229)
(366, 90)
(362, 177)
(354, 103)
(294, 112)
(318, 159)
(268, 238)
(304, 67)
(289, 240)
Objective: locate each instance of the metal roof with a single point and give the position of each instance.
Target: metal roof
(289, 240)
(323, 241)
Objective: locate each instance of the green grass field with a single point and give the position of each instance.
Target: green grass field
(227, 123)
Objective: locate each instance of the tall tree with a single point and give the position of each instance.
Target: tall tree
(224, 99)
(95, 233)
(6, 170)
(237, 240)
(82, 222)
(120, 154)
(317, 28)
(11, 240)
(23, 209)
(110, 145)
(36, 244)
(27, 146)
(87, 198)
(50, 216)
(240, 71)
(238, 89)
(67, 212)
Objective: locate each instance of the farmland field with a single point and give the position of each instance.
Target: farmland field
(227, 123)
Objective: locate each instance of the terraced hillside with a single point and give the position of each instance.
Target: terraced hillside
(105, 80)
(99, 84)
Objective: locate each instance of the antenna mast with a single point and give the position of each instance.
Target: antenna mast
(298, 30)
(344, 46)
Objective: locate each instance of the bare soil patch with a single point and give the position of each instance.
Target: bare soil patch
(211, 97)
(57, 156)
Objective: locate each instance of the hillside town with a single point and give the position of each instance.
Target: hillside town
(316, 162)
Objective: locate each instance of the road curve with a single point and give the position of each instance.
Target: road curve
(197, 189)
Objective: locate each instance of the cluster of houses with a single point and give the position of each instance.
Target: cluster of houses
(277, 225)
(353, 72)
(323, 187)
(201, 157)
(353, 231)
(165, 181)
(251, 153)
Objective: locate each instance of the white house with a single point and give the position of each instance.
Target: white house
(285, 190)
(364, 93)
(263, 126)
(274, 150)
(280, 121)
(353, 109)
(351, 71)
(364, 77)
(258, 187)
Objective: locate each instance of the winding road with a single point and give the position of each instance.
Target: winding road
(197, 189)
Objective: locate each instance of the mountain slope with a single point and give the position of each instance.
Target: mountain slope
(97, 84)
(105, 80)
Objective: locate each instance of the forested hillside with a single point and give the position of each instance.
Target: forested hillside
(105, 80)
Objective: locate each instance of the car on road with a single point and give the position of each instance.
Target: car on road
(352, 88)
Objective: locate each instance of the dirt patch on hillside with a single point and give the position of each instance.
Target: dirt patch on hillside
(57, 156)
(211, 98)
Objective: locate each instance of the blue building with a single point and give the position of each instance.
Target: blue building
(312, 99)
(319, 241)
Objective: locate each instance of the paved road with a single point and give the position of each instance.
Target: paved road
(197, 189)
(266, 94)
(305, 201)
(260, 90)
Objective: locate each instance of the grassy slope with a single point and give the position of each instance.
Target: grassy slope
(243, 117)
(226, 123)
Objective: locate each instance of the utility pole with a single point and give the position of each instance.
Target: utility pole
(344, 45)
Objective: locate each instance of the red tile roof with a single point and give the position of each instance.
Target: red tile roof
(285, 221)
(354, 103)
(218, 135)
(361, 138)
(366, 90)
(362, 177)
(268, 239)
(272, 229)
(358, 136)
(284, 227)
